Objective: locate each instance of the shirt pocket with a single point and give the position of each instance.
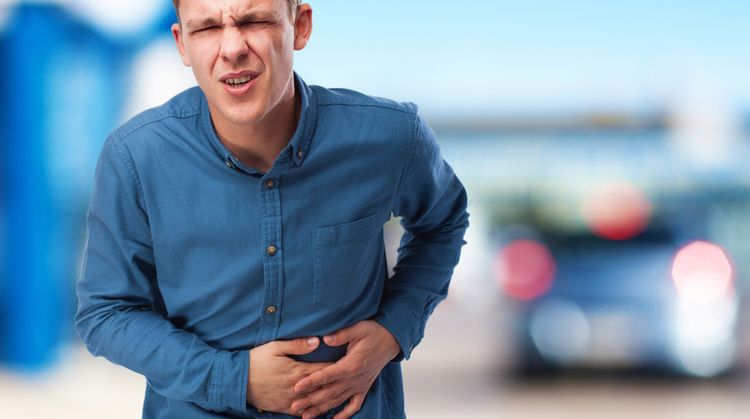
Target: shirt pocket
(343, 258)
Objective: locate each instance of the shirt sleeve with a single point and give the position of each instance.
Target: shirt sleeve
(118, 315)
(432, 203)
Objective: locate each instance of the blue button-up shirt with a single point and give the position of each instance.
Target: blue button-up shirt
(193, 258)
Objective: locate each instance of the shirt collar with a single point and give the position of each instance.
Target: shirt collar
(300, 142)
(299, 145)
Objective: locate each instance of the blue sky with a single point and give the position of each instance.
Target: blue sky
(534, 56)
(521, 57)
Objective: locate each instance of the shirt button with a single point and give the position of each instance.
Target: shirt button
(271, 309)
(229, 163)
(270, 184)
(300, 154)
(271, 250)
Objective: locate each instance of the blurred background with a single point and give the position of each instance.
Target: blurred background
(604, 147)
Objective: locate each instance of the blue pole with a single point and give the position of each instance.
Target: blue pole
(62, 85)
(30, 310)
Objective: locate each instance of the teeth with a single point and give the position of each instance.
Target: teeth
(240, 80)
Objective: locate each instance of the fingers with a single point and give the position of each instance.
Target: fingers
(324, 376)
(299, 346)
(355, 403)
(342, 336)
(323, 401)
(320, 396)
(307, 368)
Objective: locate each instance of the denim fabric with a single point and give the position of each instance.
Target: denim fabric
(179, 278)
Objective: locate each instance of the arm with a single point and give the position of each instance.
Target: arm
(432, 204)
(117, 301)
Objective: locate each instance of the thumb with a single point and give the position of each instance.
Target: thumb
(298, 346)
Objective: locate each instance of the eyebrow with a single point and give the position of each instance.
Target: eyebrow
(259, 15)
(247, 17)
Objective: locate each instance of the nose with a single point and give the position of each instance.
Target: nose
(233, 45)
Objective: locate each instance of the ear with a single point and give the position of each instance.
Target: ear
(302, 26)
(177, 34)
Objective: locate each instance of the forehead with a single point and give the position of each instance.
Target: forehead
(201, 8)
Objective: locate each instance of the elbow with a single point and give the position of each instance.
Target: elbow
(84, 330)
(87, 323)
(460, 219)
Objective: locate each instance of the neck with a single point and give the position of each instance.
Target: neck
(258, 145)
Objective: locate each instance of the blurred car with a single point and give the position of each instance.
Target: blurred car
(615, 246)
(640, 291)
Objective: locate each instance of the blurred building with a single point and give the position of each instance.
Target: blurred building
(64, 70)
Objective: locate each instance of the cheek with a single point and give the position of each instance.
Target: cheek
(203, 55)
(274, 51)
(282, 61)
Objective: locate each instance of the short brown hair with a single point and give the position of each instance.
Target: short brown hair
(293, 4)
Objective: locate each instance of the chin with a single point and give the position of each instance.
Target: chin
(243, 115)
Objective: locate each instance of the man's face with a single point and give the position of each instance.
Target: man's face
(241, 53)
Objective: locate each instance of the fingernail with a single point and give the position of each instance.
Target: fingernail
(329, 339)
(312, 341)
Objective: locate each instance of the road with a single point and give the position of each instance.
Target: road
(457, 372)
(476, 386)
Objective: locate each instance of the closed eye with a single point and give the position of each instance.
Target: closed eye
(206, 29)
(255, 23)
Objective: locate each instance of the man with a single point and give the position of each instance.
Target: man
(235, 232)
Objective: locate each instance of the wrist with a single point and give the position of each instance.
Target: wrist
(393, 349)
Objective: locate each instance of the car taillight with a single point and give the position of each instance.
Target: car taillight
(702, 272)
(617, 211)
(525, 269)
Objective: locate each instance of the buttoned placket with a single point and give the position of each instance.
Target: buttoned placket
(273, 258)
(273, 255)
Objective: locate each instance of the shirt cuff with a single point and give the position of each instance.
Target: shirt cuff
(392, 318)
(228, 386)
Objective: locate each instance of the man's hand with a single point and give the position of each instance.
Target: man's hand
(273, 374)
(370, 348)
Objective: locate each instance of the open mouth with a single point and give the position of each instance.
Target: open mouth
(238, 81)
(241, 83)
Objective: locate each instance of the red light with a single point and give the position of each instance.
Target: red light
(525, 269)
(617, 211)
(702, 272)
